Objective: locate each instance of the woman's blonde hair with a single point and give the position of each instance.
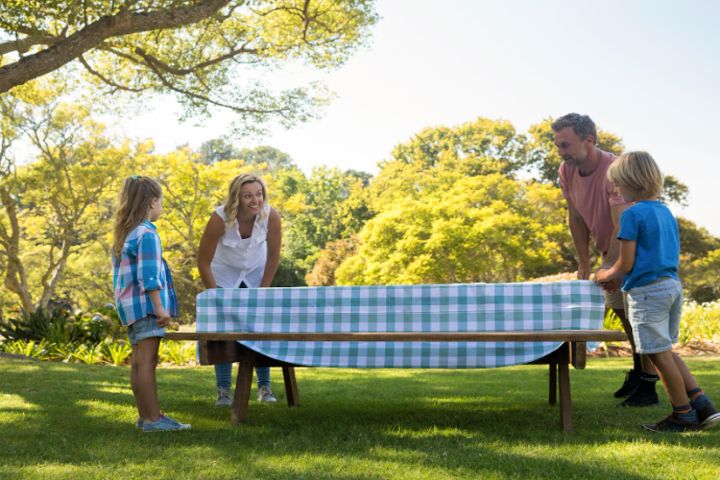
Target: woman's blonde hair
(232, 204)
(637, 171)
(134, 203)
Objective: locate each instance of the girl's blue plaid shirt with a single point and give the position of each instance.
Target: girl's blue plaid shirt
(139, 270)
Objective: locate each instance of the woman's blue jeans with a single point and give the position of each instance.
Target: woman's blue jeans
(223, 371)
(223, 375)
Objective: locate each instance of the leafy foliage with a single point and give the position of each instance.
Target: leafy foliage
(203, 52)
(57, 324)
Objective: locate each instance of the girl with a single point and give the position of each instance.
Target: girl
(240, 248)
(144, 294)
(648, 266)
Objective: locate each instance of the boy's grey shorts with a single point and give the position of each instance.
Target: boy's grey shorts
(654, 312)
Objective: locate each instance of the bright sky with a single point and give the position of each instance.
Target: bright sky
(646, 70)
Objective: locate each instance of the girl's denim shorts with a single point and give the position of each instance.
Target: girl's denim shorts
(654, 313)
(145, 328)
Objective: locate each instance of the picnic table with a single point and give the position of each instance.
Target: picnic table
(471, 325)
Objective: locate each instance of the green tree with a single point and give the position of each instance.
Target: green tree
(216, 150)
(269, 158)
(481, 228)
(59, 205)
(479, 147)
(329, 259)
(699, 261)
(333, 208)
(202, 51)
(702, 277)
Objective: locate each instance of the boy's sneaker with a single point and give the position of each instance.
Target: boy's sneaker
(139, 423)
(164, 424)
(265, 394)
(708, 415)
(632, 380)
(224, 398)
(672, 424)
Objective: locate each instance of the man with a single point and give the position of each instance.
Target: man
(594, 208)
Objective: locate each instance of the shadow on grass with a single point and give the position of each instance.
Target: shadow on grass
(475, 423)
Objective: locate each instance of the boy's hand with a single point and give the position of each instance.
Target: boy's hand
(611, 285)
(607, 285)
(602, 276)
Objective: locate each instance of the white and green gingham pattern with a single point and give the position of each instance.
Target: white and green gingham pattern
(476, 307)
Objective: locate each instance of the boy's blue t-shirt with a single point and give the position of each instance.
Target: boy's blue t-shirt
(654, 229)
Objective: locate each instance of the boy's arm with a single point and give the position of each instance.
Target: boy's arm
(622, 266)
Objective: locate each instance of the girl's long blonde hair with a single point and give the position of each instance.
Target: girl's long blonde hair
(232, 203)
(134, 202)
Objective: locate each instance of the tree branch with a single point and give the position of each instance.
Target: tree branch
(186, 71)
(124, 23)
(204, 98)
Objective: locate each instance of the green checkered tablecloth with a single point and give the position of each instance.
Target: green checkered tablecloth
(475, 307)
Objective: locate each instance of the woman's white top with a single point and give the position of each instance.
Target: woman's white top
(240, 259)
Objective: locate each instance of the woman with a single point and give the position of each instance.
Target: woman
(240, 248)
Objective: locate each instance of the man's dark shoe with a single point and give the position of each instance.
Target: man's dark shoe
(672, 424)
(643, 396)
(708, 416)
(632, 380)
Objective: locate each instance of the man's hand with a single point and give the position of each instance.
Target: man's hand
(583, 272)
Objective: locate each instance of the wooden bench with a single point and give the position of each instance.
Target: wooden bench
(224, 348)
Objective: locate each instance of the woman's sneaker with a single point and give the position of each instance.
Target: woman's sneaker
(265, 394)
(224, 398)
(164, 424)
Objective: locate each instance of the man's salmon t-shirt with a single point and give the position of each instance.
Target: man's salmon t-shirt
(593, 196)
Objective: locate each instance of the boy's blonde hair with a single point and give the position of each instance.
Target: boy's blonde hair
(134, 201)
(232, 204)
(637, 171)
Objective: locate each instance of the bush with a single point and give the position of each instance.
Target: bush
(700, 321)
(57, 324)
(179, 353)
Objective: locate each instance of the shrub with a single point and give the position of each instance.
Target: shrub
(59, 325)
(700, 321)
(179, 353)
(117, 353)
(29, 348)
(89, 355)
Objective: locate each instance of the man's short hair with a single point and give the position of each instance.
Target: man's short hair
(582, 125)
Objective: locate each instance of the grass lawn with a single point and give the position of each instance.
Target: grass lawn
(76, 421)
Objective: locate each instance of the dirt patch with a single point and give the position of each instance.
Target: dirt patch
(622, 349)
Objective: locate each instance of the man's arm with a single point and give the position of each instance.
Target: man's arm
(581, 238)
(614, 248)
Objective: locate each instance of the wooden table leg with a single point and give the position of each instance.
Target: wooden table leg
(552, 394)
(241, 400)
(291, 389)
(565, 398)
